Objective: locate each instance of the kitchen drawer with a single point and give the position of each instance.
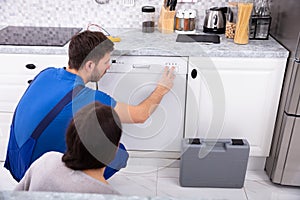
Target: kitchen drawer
(30, 64)
(18, 70)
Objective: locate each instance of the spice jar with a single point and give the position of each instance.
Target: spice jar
(148, 19)
(186, 20)
(179, 20)
(192, 24)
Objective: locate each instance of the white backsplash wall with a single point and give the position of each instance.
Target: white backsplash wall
(79, 13)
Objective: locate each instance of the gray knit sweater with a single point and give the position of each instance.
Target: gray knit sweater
(49, 173)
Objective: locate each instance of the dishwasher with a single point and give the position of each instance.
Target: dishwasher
(131, 79)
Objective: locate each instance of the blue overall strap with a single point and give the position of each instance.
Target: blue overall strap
(55, 111)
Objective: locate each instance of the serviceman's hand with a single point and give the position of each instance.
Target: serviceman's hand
(167, 80)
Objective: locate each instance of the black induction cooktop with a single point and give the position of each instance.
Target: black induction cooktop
(36, 36)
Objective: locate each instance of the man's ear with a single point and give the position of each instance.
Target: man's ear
(89, 66)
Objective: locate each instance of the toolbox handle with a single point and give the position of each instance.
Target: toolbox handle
(237, 142)
(217, 146)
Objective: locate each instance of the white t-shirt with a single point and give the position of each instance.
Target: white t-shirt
(49, 173)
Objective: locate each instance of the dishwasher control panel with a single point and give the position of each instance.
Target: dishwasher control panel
(148, 64)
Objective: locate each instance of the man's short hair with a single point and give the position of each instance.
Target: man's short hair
(92, 137)
(88, 45)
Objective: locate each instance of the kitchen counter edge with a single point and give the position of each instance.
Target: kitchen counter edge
(134, 42)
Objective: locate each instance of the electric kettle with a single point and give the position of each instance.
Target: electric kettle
(215, 20)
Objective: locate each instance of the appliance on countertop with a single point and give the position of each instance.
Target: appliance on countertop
(36, 36)
(283, 164)
(215, 20)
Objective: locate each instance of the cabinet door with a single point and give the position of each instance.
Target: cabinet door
(234, 98)
(5, 121)
(17, 72)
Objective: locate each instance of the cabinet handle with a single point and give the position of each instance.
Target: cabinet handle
(30, 66)
(194, 73)
(29, 81)
(141, 66)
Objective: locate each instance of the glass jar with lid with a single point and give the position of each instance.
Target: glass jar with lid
(179, 20)
(186, 20)
(231, 19)
(192, 20)
(148, 21)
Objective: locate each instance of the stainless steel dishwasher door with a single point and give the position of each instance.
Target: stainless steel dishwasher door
(130, 80)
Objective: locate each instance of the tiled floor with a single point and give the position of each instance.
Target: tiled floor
(150, 180)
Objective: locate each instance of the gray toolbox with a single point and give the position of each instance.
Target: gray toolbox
(213, 163)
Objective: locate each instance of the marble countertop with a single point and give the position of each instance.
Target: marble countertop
(135, 42)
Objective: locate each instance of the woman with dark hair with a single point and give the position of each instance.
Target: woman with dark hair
(92, 139)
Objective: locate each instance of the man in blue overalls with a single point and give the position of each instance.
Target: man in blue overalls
(89, 58)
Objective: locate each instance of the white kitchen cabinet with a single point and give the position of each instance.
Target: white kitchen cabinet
(234, 98)
(16, 74)
(5, 121)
